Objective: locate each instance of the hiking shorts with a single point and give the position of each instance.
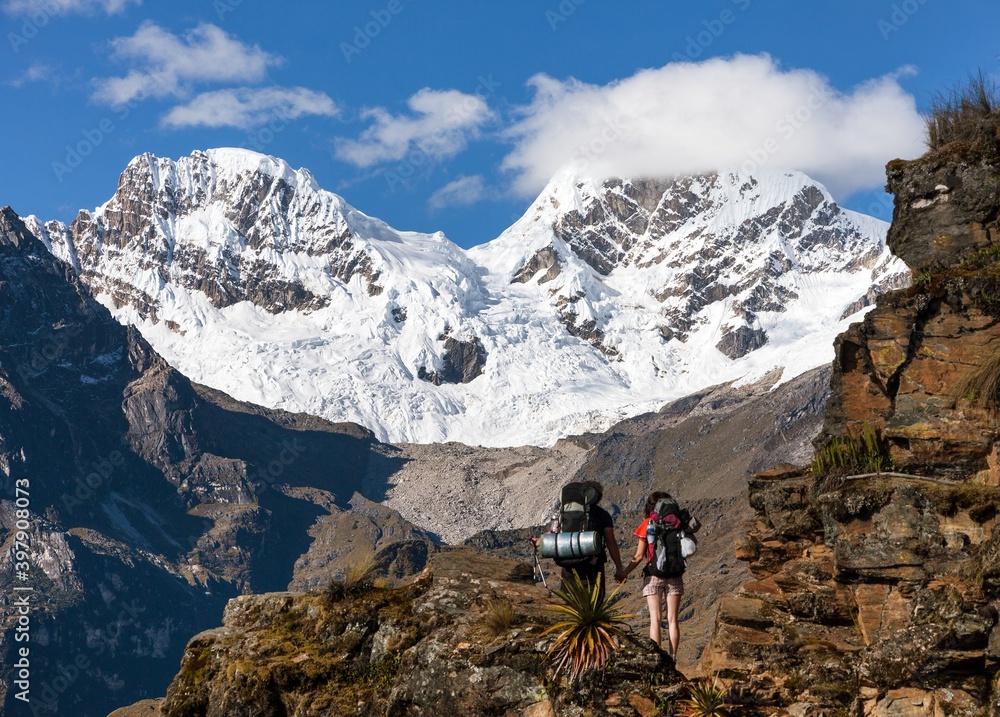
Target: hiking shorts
(653, 585)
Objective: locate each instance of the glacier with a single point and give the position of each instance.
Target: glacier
(606, 299)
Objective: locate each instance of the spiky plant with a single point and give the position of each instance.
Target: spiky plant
(706, 698)
(588, 632)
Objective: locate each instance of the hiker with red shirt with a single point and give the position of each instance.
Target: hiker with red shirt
(654, 588)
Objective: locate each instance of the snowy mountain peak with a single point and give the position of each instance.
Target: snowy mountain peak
(606, 299)
(232, 225)
(742, 242)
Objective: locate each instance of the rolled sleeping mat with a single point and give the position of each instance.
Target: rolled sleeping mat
(571, 545)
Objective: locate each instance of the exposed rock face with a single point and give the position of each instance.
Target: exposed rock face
(461, 363)
(914, 369)
(947, 203)
(420, 649)
(875, 596)
(879, 595)
(153, 500)
(545, 258)
(741, 341)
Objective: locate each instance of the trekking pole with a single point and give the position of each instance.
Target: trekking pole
(538, 566)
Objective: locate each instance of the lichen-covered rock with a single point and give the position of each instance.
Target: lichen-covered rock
(888, 607)
(419, 649)
(946, 201)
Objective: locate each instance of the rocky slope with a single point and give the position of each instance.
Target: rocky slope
(152, 500)
(421, 649)
(248, 277)
(880, 595)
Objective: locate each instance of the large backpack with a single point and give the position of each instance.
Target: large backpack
(575, 502)
(663, 538)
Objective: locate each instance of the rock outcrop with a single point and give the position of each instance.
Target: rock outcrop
(423, 648)
(918, 368)
(878, 597)
(877, 594)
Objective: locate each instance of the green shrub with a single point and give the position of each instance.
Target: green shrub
(982, 257)
(865, 452)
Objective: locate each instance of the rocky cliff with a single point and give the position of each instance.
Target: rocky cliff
(151, 501)
(878, 594)
(921, 367)
(427, 647)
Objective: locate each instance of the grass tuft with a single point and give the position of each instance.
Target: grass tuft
(864, 452)
(958, 113)
(980, 385)
(499, 618)
(358, 576)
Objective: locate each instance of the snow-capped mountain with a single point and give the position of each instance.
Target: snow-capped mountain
(604, 300)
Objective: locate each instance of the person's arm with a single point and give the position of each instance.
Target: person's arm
(640, 554)
(609, 540)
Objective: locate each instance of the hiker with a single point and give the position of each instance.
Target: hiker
(660, 536)
(579, 516)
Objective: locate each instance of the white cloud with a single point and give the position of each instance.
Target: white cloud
(64, 7)
(440, 125)
(743, 111)
(37, 72)
(460, 193)
(168, 65)
(247, 107)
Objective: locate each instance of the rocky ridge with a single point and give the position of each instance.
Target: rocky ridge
(417, 649)
(877, 594)
(689, 242)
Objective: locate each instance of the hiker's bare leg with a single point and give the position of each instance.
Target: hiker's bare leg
(655, 616)
(673, 630)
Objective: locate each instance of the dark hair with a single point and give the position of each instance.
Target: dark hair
(653, 499)
(597, 487)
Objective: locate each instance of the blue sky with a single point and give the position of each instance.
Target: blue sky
(438, 115)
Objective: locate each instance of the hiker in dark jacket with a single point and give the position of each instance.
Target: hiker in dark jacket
(658, 590)
(592, 571)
